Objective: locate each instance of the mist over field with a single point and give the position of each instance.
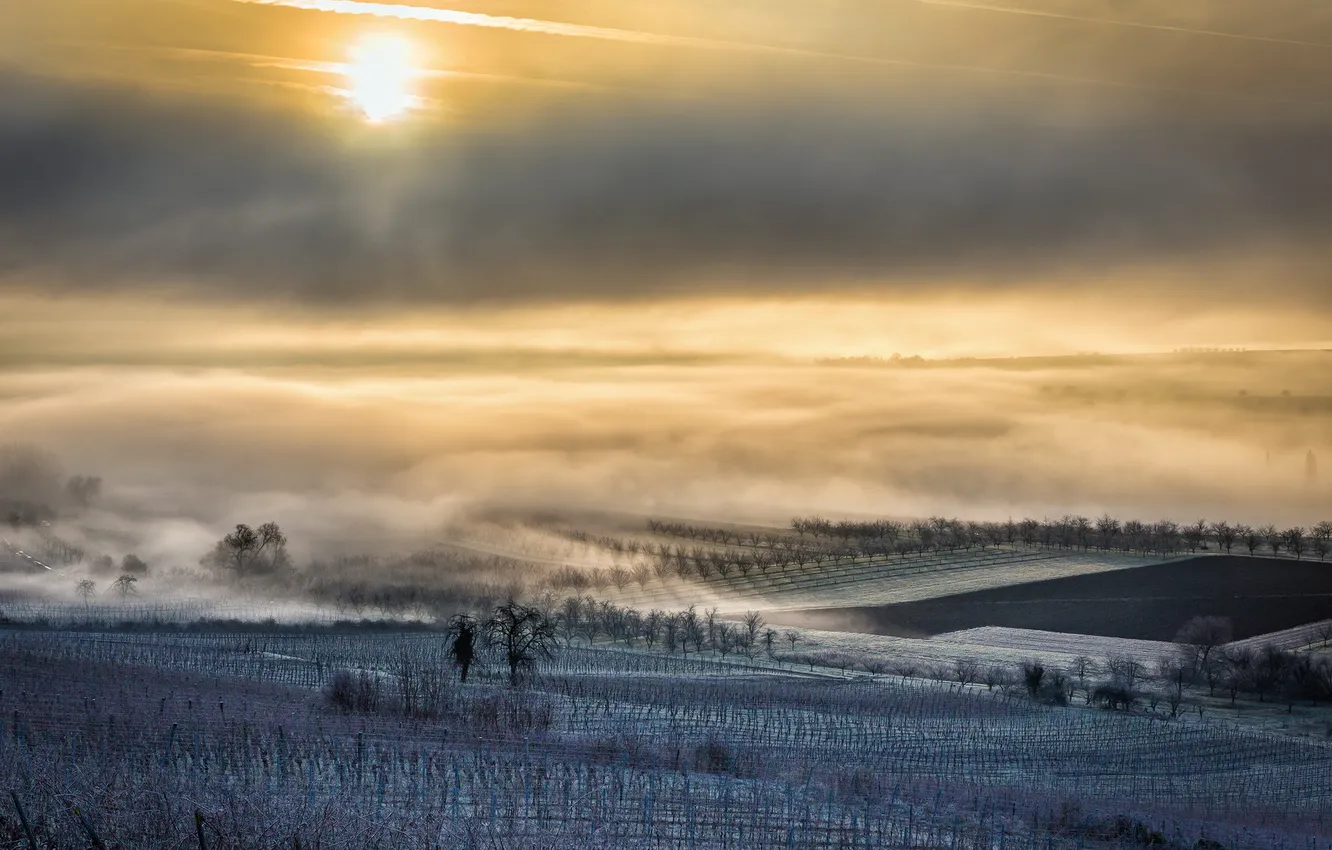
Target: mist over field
(351, 460)
(594, 259)
(672, 424)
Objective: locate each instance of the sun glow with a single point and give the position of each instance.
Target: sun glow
(379, 75)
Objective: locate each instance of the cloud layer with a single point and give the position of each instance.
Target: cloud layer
(113, 189)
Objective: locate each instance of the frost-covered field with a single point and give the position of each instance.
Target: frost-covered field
(885, 581)
(1313, 634)
(1031, 642)
(607, 748)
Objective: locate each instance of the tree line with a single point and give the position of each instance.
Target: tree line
(1072, 531)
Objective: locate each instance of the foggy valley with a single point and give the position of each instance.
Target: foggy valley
(808, 424)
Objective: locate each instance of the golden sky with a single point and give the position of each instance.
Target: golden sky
(326, 152)
(592, 249)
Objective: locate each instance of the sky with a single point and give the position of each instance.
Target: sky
(271, 256)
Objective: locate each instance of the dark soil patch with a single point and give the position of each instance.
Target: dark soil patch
(1260, 595)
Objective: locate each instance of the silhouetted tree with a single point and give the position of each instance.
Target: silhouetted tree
(462, 648)
(1251, 537)
(523, 633)
(1107, 528)
(1196, 534)
(1273, 538)
(249, 551)
(125, 585)
(134, 565)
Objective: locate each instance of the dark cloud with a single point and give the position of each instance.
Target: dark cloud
(113, 189)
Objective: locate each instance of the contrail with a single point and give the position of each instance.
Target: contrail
(1113, 22)
(477, 19)
(533, 25)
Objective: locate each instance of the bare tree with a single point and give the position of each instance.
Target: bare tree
(1175, 676)
(1225, 535)
(876, 665)
(966, 671)
(620, 577)
(1273, 538)
(1083, 667)
(248, 551)
(1125, 670)
(725, 639)
(87, 590)
(754, 623)
(1324, 632)
(651, 626)
(1251, 537)
(710, 617)
(671, 630)
(1239, 663)
(523, 633)
(1196, 534)
(571, 619)
(1201, 635)
(1268, 669)
(1295, 541)
(691, 629)
(642, 573)
(994, 675)
(125, 585)
(791, 636)
(1107, 528)
(663, 567)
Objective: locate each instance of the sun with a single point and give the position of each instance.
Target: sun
(380, 73)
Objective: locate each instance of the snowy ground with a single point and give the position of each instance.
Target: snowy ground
(640, 750)
(881, 581)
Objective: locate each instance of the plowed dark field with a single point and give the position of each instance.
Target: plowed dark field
(1148, 603)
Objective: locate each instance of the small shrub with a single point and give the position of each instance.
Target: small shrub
(1122, 830)
(714, 756)
(1055, 690)
(350, 692)
(1114, 696)
(719, 756)
(508, 711)
(1033, 676)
